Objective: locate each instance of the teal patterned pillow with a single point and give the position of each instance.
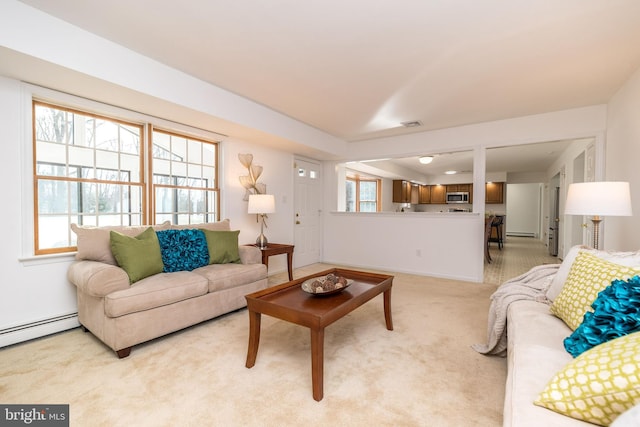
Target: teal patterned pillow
(183, 250)
(616, 312)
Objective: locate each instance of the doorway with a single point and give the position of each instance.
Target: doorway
(307, 204)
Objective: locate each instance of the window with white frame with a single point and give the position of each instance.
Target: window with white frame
(90, 170)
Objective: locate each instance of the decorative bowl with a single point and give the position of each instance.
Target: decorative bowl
(325, 285)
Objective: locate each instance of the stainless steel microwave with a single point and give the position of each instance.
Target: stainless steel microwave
(458, 197)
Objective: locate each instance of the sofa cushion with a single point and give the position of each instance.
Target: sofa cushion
(616, 312)
(139, 256)
(629, 259)
(226, 276)
(224, 225)
(630, 418)
(598, 385)
(588, 276)
(534, 348)
(183, 250)
(155, 291)
(535, 354)
(223, 246)
(94, 243)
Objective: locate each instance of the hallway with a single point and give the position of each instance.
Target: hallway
(517, 256)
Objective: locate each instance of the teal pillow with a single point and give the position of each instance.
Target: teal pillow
(223, 246)
(139, 256)
(183, 250)
(616, 312)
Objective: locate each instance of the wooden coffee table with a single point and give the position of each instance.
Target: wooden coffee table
(289, 302)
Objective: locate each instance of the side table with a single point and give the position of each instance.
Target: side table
(278, 249)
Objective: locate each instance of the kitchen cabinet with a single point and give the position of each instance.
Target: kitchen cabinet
(453, 188)
(406, 192)
(401, 191)
(494, 193)
(415, 194)
(424, 194)
(438, 194)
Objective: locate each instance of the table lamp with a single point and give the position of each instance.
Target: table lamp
(598, 199)
(262, 204)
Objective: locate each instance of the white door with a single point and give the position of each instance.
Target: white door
(307, 213)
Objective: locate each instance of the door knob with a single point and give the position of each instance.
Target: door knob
(297, 222)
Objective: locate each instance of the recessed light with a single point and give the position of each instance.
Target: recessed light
(411, 124)
(425, 160)
(450, 172)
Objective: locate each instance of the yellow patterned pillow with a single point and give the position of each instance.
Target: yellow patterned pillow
(598, 385)
(587, 277)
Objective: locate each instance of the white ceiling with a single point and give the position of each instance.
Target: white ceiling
(357, 68)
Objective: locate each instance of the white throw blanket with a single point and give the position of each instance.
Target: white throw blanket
(531, 285)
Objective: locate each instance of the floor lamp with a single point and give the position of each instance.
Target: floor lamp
(262, 204)
(598, 199)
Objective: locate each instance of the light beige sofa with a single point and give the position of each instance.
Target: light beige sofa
(534, 354)
(122, 315)
(535, 350)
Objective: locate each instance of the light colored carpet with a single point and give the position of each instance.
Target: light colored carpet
(423, 373)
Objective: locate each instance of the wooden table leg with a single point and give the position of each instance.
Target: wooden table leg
(254, 338)
(387, 309)
(289, 264)
(317, 362)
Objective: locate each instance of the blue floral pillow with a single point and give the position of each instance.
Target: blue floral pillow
(616, 312)
(183, 250)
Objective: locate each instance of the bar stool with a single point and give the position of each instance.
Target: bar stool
(497, 223)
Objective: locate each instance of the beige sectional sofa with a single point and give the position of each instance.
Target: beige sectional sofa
(122, 314)
(536, 356)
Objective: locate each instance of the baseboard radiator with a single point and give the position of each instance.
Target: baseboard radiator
(40, 328)
(521, 234)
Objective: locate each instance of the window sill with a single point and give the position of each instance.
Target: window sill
(30, 261)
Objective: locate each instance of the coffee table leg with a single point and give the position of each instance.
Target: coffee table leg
(387, 309)
(317, 362)
(254, 338)
(289, 264)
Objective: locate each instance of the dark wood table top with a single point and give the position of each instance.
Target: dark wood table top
(289, 302)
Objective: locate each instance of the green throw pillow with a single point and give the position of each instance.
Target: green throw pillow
(139, 256)
(223, 246)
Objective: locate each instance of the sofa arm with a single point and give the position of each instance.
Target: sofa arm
(97, 279)
(250, 254)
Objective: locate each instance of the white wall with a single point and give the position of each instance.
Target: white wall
(278, 176)
(523, 209)
(623, 152)
(31, 292)
(440, 245)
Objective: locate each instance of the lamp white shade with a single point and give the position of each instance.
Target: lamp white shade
(599, 199)
(261, 204)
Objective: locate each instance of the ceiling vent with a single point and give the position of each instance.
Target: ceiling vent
(412, 124)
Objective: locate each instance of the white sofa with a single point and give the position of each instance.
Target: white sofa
(535, 350)
(534, 354)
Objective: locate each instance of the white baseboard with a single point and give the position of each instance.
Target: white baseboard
(29, 331)
(521, 234)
